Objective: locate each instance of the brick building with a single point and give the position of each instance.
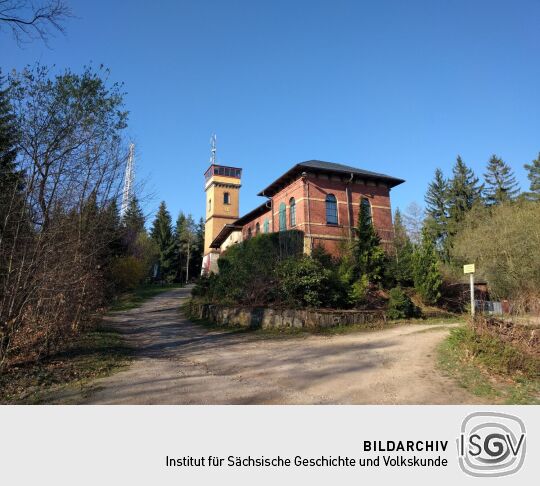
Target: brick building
(321, 199)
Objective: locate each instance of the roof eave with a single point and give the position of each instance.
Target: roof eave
(224, 234)
(272, 189)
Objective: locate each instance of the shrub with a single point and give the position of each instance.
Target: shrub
(504, 242)
(400, 306)
(127, 272)
(358, 290)
(303, 281)
(493, 353)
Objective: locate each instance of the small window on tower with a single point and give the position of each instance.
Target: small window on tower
(226, 198)
(209, 205)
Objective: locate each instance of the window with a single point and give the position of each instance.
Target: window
(209, 205)
(257, 228)
(226, 198)
(292, 212)
(331, 209)
(282, 217)
(249, 233)
(266, 225)
(364, 202)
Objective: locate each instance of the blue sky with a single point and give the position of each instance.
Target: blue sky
(391, 86)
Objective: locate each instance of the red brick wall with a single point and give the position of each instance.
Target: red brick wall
(252, 224)
(331, 237)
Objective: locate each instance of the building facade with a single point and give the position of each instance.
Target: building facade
(321, 199)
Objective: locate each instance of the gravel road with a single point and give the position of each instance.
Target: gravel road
(179, 362)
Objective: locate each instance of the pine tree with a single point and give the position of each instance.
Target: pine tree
(368, 256)
(534, 177)
(134, 218)
(11, 180)
(436, 200)
(402, 266)
(113, 230)
(162, 234)
(464, 191)
(198, 249)
(427, 277)
(179, 254)
(501, 184)
(132, 225)
(189, 237)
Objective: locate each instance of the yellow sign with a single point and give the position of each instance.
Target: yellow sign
(468, 268)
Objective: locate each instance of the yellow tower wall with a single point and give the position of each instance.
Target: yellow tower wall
(218, 213)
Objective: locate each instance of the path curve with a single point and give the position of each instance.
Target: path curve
(179, 362)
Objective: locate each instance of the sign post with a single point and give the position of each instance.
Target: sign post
(469, 269)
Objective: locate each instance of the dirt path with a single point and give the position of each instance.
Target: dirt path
(179, 362)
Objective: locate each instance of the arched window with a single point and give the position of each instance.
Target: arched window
(292, 212)
(331, 209)
(209, 205)
(266, 225)
(282, 217)
(249, 233)
(365, 205)
(257, 228)
(226, 198)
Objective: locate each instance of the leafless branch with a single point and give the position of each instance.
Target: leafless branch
(28, 22)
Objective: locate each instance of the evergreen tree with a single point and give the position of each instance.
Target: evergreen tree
(113, 230)
(179, 253)
(11, 180)
(189, 247)
(401, 267)
(436, 200)
(464, 191)
(189, 238)
(198, 249)
(501, 184)
(534, 177)
(134, 219)
(427, 277)
(162, 234)
(132, 225)
(368, 256)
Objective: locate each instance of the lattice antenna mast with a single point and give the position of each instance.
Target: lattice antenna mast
(213, 139)
(127, 195)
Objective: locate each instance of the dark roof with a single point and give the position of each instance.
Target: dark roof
(238, 224)
(254, 213)
(223, 234)
(328, 167)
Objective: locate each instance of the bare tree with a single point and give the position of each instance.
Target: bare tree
(28, 21)
(55, 233)
(189, 237)
(413, 220)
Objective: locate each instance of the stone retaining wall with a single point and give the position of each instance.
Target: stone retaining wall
(267, 318)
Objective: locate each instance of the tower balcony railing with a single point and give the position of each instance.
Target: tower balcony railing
(222, 170)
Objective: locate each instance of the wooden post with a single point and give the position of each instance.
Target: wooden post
(471, 277)
(470, 269)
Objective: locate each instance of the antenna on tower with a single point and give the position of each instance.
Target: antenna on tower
(213, 139)
(127, 194)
